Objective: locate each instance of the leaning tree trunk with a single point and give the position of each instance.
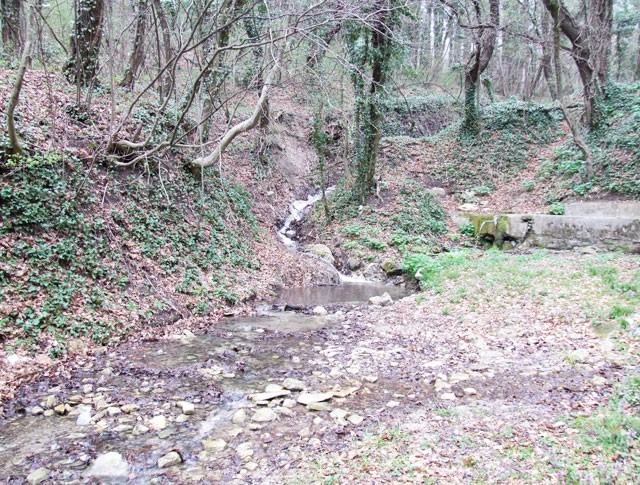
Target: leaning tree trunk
(82, 65)
(137, 54)
(477, 63)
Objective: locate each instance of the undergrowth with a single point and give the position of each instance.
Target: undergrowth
(79, 247)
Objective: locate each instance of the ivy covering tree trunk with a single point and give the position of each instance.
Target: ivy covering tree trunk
(11, 26)
(371, 46)
(83, 63)
(484, 44)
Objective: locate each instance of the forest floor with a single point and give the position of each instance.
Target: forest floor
(510, 369)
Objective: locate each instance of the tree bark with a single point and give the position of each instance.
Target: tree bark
(166, 82)
(83, 63)
(483, 48)
(15, 148)
(11, 19)
(137, 54)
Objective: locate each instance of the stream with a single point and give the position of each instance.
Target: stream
(224, 407)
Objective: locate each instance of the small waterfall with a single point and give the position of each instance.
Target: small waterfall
(297, 210)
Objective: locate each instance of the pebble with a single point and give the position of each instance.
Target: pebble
(129, 408)
(251, 466)
(338, 413)
(470, 391)
(239, 417)
(598, 381)
(36, 410)
(158, 423)
(140, 429)
(319, 406)
(293, 384)
(51, 402)
(289, 403)
(109, 465)
(170, 459)
(188, 408)
(48, 413)
(267, 396)
(355, 419)
(320, 311)
(60, 409)
(84, 418)
(264, 415)
(448, 396)
(393, 404)
(113, 411)
(38, 476)
(214, 445)
(122, 428)
(245, 450)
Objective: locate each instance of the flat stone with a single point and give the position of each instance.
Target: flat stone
(84, 418)
(458, 376)
(268, 396)
(309, 397)
(264, 415)
(338, 414)
(239, 417)
(113, 411)
(170, 459)
(393, 404)
(140, 429)
(273, 388)
(188, 408)
(470, 391)
(214, 445)
(346, 391)
(49, 412)
(251, 466)
(122, 428)
(289, 403)
(370, 378)
(293, 384)
(109, 465)
(75, 399)
(38, 476)
(158, 423)
(319, 406)
(245, 450)
(355, 419)
(448, 396)
(129, 408)
(87, 388)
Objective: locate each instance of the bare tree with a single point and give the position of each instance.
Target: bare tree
(590, 46)
(137, 53)
(15, 148)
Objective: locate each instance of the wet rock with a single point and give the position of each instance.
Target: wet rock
(129, 408)
(216, 445)
(383, 300)
(188, 408)
(293, 384)
(109, 465)
(158, 423)
(36, 410)
(354, 264)
(320, 311)
(239, 417)
(172, 458)
(373, 272)
(309, 397)
(319, 406)
(38, 476)
(322, 251)
(245, 450)
(264, 415)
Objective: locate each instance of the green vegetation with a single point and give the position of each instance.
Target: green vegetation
(607, 443)
(69, 261)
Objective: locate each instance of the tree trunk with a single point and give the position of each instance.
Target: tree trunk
(15, 148)
(166, 82)
(320, 45)
(11, 18)
(137, 54)
(83, 63)
(590, 46)
(478, 61)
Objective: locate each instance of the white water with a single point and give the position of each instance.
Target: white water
(297, 210)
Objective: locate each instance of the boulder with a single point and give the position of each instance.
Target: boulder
(322, 251)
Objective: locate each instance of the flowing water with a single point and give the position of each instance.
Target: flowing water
(128, 402)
